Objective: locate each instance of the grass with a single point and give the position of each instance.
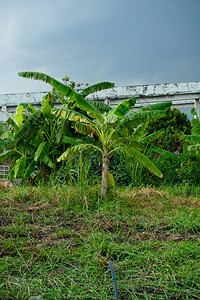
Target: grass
(57, 243)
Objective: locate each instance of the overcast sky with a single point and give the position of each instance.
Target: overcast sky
(128, 42)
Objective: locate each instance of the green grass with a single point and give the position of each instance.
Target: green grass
(57, 243)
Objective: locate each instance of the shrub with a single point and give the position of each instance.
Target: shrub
(175, 124)
(180, 169)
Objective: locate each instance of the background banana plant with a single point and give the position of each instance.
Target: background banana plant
(193, 140)
(29, 140)
(35, 140)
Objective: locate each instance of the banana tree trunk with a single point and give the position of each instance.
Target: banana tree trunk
(104, 180)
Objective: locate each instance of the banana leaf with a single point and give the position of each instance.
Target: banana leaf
(142, 159)
(97, 87)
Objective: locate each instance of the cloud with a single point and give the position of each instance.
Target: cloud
(126, 42)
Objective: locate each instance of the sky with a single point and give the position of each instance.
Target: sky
(127, 42)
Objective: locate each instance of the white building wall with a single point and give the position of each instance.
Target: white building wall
(182, 95)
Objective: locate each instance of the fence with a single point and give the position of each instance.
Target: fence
(4, 170)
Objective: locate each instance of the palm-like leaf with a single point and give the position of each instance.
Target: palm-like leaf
(30, 169)
(65, 91)
(101, 106)
(38, 139)
(194, 148)
(61, 128)
(42, 150)
(151, 137)
(75, 97)
(163, 152)
(75, 150)
(69, 140)
(12, 125)
(194, 138)
(135, 118)
(157, 106)
(74, 116)
(18, 115)
(140, 131)
(56, 152)
(19, 166)
(60, 87)
(37, 76)
(97, 87)
(5, 155)
(129, 142)
(4, 143)
(122, 108)
(143, 160)
(46, 110)
(21, 144)
(194, 112)
(28, 126)
(7, 135)
(47, 160)
(31, 108)
(195, 127)
(191, 138)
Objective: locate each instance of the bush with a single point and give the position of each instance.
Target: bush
(175, 124)
(180, 169)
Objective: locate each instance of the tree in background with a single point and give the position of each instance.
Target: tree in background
(34, 140)
(175, 124)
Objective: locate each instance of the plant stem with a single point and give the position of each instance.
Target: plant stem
(104, 181)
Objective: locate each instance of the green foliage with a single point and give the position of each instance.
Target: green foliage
(121, 109)
(179, 169)
(192, 142)
(115, 128)
(119, 168)
(33, 140)
(175, 124)
(96, 87)
(176, 169)
(38, 137)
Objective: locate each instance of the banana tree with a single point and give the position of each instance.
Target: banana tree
(36, 138)
(112, 128)
(18, 151)
(113, 131)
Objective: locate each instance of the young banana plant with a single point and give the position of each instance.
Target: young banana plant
(113, 133)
